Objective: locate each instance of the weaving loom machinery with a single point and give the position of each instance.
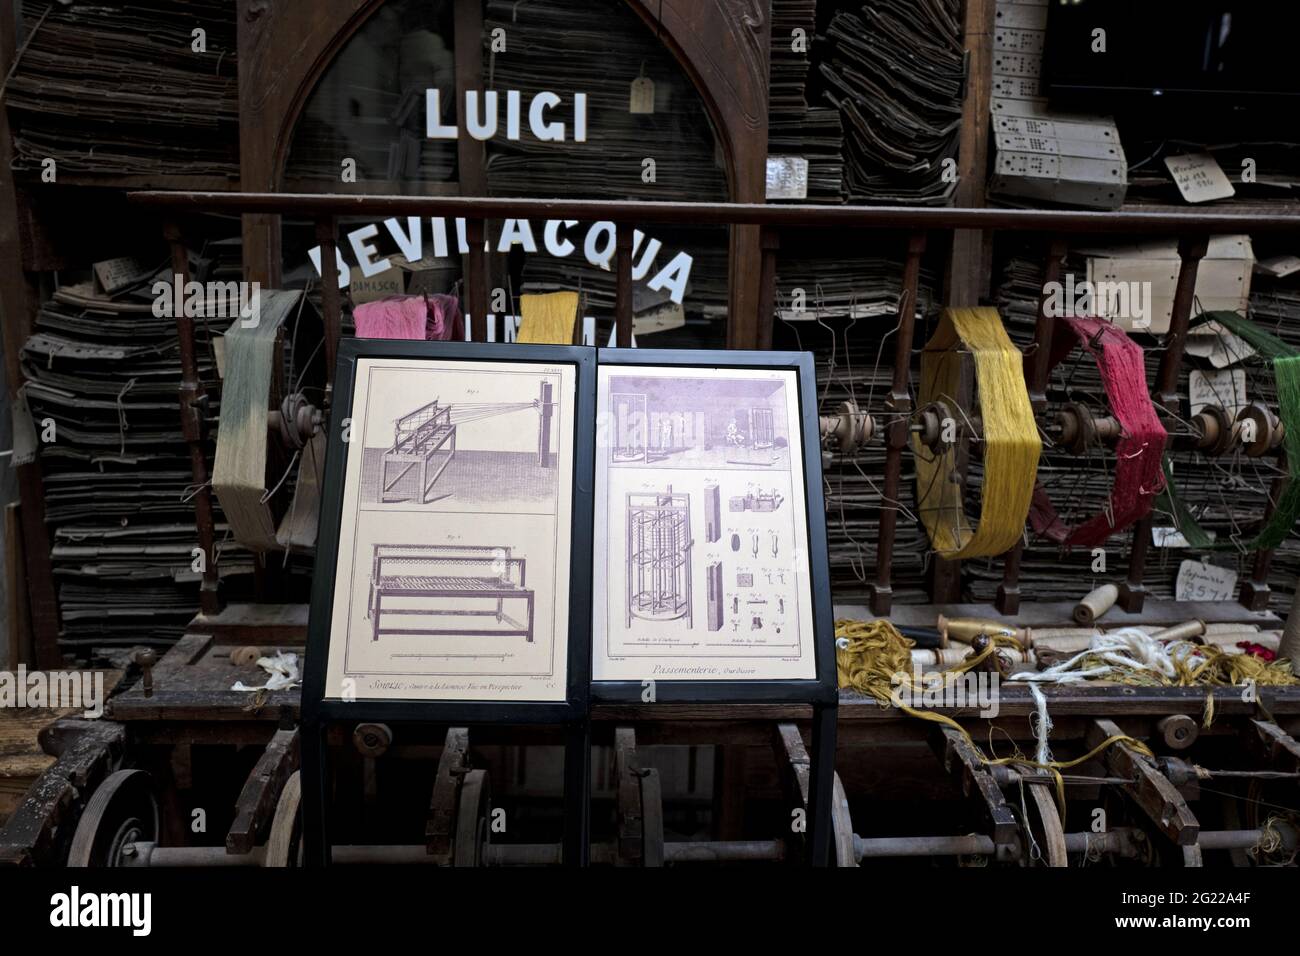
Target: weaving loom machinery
(124, 824)
(427, 437)
(1018, 805)
(97, 805)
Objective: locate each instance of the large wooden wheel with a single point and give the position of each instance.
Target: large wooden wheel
(121, 812)
(284, 843)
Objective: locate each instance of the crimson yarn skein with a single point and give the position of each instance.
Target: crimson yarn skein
(1138, 474)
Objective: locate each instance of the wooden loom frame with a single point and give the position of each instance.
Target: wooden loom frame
(425, 441)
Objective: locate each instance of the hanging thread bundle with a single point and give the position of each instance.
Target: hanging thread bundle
(1139, 475)
(1010, 438)
(548, 319)
(239, 468)
(1286, 510)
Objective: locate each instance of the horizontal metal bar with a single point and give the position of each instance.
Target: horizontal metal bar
(974, 844)
(506, 854)
(721, 213)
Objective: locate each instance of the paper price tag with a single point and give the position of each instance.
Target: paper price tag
(787, 177)
(1198, 177)
(643, 95)
(1198, 581)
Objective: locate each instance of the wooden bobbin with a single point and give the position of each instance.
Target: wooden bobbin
(1178, 731)
(944, 657)
(850, 428)
(966, 629)
(1228, 640)
(1181, 632)
(1033, 636)
(372, 740)
(1066, 643)
(243, 656)
(1096, 603)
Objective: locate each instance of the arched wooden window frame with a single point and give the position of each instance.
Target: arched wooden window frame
(722, 45)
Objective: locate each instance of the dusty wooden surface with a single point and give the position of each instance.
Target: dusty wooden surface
(86, 751)
(245, 624)
(1060, 614)
(22, 758)
(192, 682)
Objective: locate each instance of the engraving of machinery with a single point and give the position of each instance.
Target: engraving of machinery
(659, 556)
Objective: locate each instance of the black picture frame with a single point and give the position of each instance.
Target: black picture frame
(320, 713)
(821, 692)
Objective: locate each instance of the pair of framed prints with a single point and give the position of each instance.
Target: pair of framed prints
(510, 532)
(525, 526)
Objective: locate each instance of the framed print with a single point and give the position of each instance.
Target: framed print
(450, 567)
(713, 562)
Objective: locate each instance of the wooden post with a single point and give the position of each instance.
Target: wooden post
(899, 407)
(968, 266)
(623, 287)
(1255, 592)
(546, 412)
(771, 242)
(476, 294)
(19, 303)
(1037, 363)
(193, 401)
(471, 162)
(1191, 249)
(331, 304)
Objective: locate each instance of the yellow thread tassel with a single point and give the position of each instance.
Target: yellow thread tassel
(547, 319)
(1010, 438)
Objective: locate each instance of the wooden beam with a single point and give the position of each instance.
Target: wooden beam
(968, 278)
(256, 804)
(1151, 790)
(452, 766)
(19, 304)
(962, 762)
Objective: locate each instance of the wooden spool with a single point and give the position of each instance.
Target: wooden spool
(372, 740)
(243, 656)
(966, 629)
(1178, 731)
(1181, 632)
(1096, 603)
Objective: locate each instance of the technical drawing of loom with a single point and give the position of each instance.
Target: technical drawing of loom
(449, 584)
(425, 439)
(659, 556)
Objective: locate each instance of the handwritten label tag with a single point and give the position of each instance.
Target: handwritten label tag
(1223, 387)
(1198, 581)
(787, 177)
(1198, 177)
(112, 275)
(643, 95)
(380, 286)
(1221, 347)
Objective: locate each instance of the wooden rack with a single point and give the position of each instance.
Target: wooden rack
(915, 225)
